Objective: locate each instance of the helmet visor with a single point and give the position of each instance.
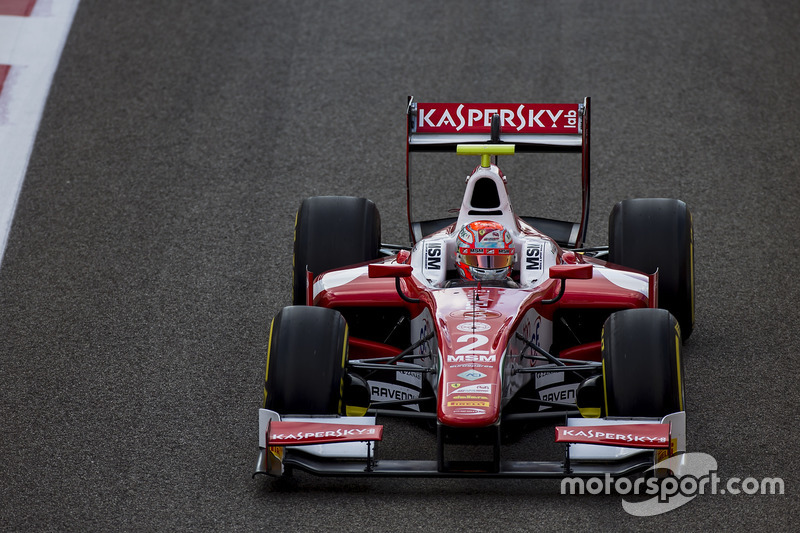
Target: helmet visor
(488, 261)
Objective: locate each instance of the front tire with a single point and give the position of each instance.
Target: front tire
(305, 361)
(332, 232)
(642, 373)
(649, 234)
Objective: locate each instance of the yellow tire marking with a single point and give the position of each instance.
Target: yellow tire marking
(294, 242)
(691, 263)
(269, 350)
(678, 363)
(603, 366)
(590, 412)
(344, 359)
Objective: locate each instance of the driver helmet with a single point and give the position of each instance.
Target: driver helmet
(485, 251)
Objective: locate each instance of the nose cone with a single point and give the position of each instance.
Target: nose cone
(474, 325)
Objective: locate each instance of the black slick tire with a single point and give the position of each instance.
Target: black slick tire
(305, 361)
(649, 234)
(642, 372)
(332, 232)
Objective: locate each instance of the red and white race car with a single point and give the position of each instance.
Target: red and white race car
(489, 319)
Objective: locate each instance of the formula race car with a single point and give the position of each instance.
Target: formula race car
(489, 319)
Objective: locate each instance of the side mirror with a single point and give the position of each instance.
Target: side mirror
(389, 270)
(583, 271)
(392, 270)
(565, 272)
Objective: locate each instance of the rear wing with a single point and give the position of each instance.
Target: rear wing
(562, 128)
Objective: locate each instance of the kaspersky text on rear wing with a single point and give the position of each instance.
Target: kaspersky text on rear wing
(514, 118)
(531, 127)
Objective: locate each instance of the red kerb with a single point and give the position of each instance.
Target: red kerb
(3, 73)
(16, 8)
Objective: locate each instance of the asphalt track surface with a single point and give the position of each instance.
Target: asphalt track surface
(152, 242)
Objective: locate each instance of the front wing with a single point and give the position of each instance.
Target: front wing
(593, 447)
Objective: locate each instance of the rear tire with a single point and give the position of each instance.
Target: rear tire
(649, 234)
(332, 232)
(305, 361)
(642, 373)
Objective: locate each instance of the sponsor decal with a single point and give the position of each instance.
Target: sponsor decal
(477, 314)
(663, 455)
(485, 251)
(563, 393)
(470, 397)
(469, 411)
(472, 375)
(277, 451)
(411, 378)
(471, 388)
(295, 433)
(468, 404)
(473, 326)
(533, 256)
(544, 379)
(514, 118)
(471, 358)
(423, 332)
(629, 435)
(433, 255)
(381, 392)
(531, 332)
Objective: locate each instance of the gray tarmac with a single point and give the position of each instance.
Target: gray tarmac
(152, 242)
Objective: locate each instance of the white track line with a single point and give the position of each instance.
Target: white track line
(32, 47)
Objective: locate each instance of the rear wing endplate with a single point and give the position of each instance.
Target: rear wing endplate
(561, 128)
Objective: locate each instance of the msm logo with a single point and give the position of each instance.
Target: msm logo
(433, 256)
(533, 257)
